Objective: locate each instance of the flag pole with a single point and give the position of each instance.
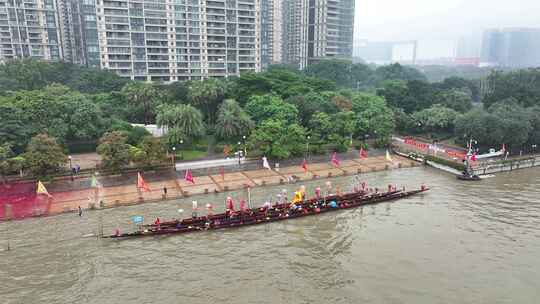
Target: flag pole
(249, 197)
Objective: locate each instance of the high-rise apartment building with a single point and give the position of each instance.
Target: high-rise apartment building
(511, 47)
(161, 40)
(271, 32)
(30, 28)
(317, 29)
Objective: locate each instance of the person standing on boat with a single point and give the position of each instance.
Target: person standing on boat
(80, 211)
(209, 209)
(229, 205)
(243, 206)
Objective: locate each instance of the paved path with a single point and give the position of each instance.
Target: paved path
(122, 190)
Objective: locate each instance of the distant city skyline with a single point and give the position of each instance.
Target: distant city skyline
(439, 24)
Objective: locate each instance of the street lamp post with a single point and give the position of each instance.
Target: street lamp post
(307, 147)
(239, 154)
(245, 146)
(181, 146)
(173, 158)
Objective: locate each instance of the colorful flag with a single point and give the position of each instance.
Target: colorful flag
(141, 184)
(363, 153)
(388, 157)
(265, 163)
(94, 182)
(41, 189)
(473, 157)
(222, 173)
(137, 219)
(304, 165)
(189, 176)
(335, 160)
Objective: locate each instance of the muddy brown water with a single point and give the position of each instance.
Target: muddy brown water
(460, 243)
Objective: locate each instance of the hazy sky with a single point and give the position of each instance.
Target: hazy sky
(381, 20)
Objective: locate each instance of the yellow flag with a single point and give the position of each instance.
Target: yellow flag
(388, 158)
(41, 189)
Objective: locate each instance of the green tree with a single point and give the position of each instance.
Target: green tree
(5, 155)
(481, 126)
(514, 121)
(395, 92)
(396, 72)
(151, 152)
(534, 118)
(232, 120)
(183, 122)
(310, 103)
(455, 99)
(438, 118)
(114, 150)
(275, 139)
(374, 117)
(44, 155)
(321, 127)
(522, 85)
(135, 134)
(14, 129)
(471, 87)
(265, 107)
(144, 96)
(207, 95)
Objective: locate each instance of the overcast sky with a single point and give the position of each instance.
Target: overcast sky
(381, 20)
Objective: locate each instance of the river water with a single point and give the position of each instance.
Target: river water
(459, 243)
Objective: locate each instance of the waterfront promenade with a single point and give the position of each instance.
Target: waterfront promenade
(120, 190)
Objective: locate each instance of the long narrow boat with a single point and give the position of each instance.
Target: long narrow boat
(262, 216)
(201, 221)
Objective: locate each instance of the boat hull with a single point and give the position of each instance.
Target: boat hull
(223, 221)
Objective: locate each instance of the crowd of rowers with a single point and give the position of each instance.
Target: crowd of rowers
(283, 207)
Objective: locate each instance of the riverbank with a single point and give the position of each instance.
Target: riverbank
(116, 191)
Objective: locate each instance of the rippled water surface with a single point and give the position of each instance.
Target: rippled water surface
(459, 243)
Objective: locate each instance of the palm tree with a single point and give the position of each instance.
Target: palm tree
(181, 120)
(232, 120)
(207, 95)
(143, 94)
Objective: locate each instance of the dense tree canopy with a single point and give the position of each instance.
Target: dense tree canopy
(114, 150)
(44, 155)
(277, 109)
(522, 85)
(232, 120)
(183, 122)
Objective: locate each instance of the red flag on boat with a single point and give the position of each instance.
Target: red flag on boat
(141, 184)
(335, 160)
(222, 173)
(189, 176)
(363, 153)
(304, 165)
(473, 157)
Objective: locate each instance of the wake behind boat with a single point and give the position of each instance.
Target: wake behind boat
(299, 207)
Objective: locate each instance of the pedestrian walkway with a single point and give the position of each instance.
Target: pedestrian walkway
(113, 191)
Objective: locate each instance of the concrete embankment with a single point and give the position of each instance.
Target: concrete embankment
(115, 191)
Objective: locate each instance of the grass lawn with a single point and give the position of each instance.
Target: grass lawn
(190, 154)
